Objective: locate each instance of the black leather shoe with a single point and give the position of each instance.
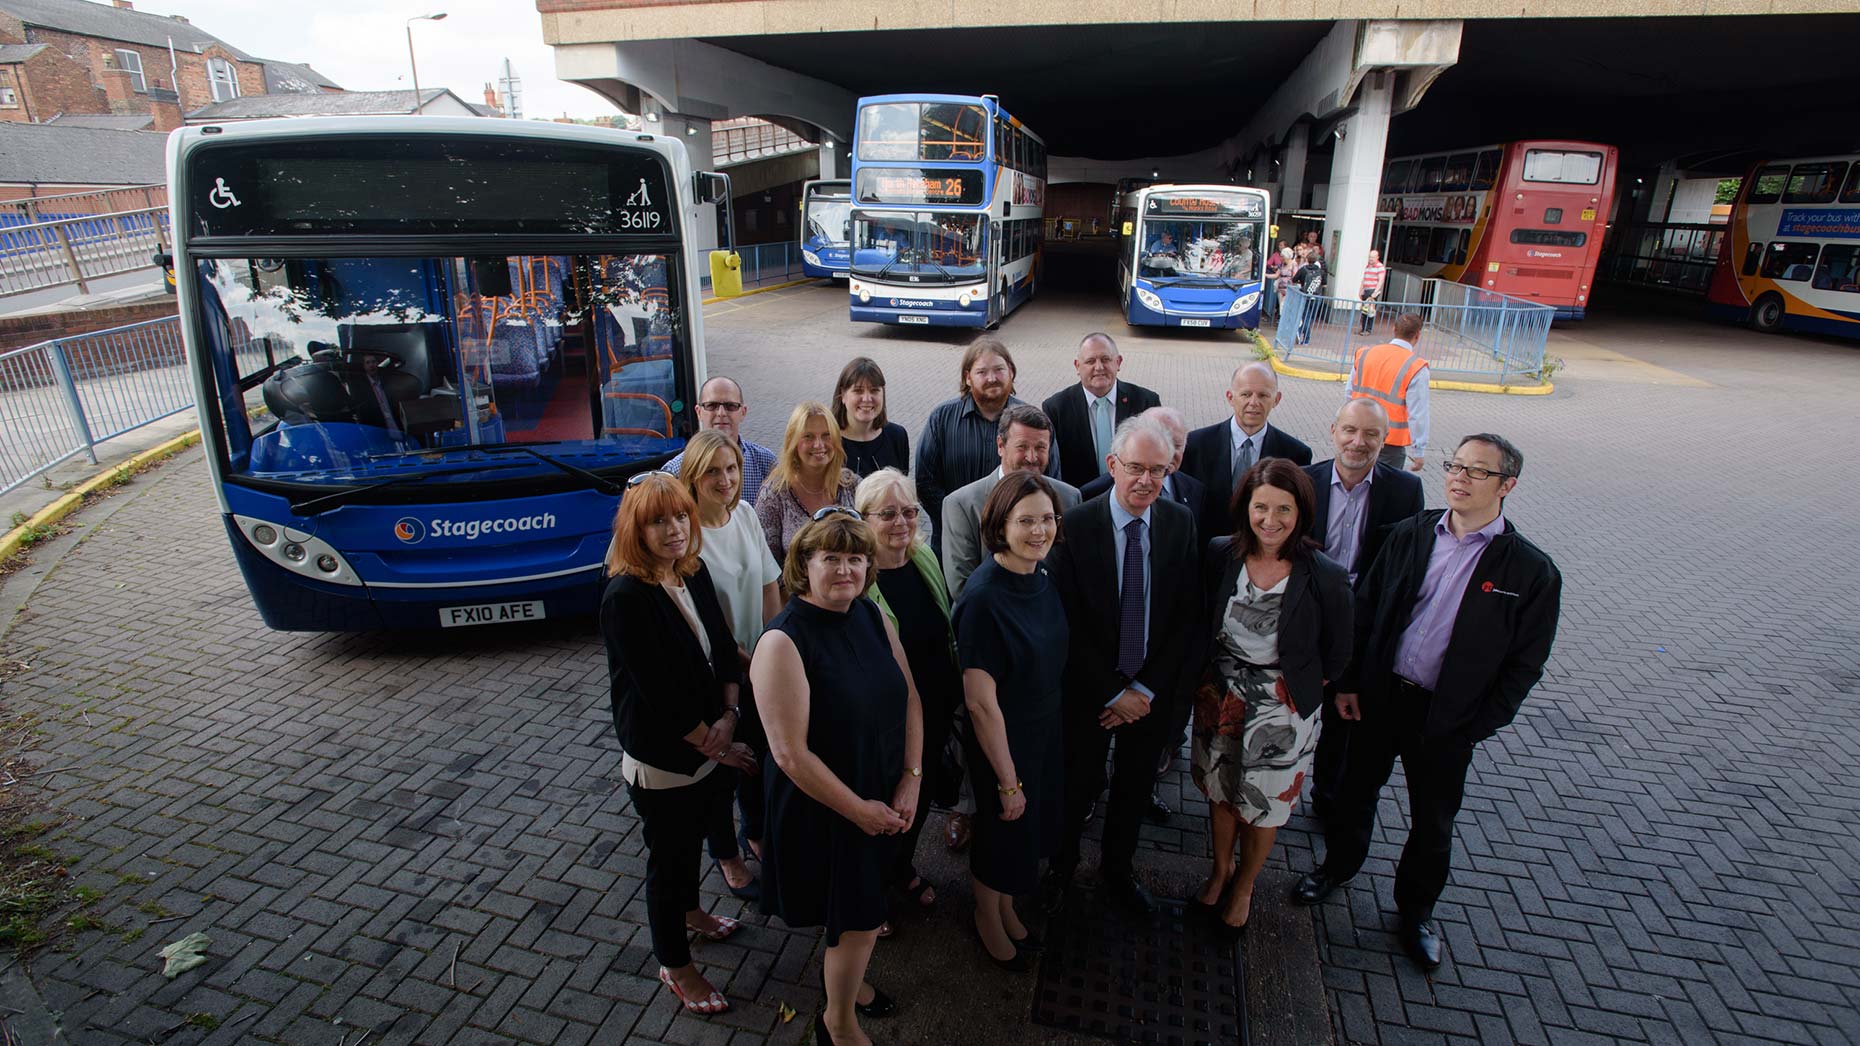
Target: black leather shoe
(1313, 887)
(1033, 942)
(1157, 812)
(881, 1006)
(1053, 887)
(1129, 894)
(1423, 945)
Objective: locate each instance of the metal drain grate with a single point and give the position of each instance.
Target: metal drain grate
(1162, 979)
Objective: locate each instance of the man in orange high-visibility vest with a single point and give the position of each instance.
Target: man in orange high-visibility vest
(1395, 375)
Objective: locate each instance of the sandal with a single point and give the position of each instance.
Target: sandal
(886, 930)
(709, 1006)
(725, 927)
(917, 893)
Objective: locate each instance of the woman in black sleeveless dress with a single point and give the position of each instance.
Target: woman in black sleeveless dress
(846, 734)
(1011, 641)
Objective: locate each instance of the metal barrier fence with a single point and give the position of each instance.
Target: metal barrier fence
(766, 263)
(63, 397)
(1468, 331)
(1671, 256)
(74, 250)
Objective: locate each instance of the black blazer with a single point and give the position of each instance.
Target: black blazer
(1209, 457)
(1078, 457)
(1085, 569)
(1394, 495)
(1184, 489)
(1502, 633)
(1314, 619)
(661, 684)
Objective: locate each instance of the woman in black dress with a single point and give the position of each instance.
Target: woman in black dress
(675, 680)
(846, 736)
(1011, 641)
(871, 442)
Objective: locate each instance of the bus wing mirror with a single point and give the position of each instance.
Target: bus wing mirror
(711, 187)
(1129, 227)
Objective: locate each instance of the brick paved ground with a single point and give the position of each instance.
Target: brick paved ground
(1662, 848)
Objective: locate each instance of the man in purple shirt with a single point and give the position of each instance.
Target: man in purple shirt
(1454, 622)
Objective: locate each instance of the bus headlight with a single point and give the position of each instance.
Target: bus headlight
(865, 296)
(1149, 300)
(1245, 302)
(811, 258)
(298, 551)
(265, 534)
(294, 552)
(327, 563)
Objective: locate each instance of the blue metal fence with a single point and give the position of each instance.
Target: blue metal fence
(767, 263)
(1471, 332)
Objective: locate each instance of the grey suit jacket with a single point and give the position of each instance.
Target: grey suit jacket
(962, 526)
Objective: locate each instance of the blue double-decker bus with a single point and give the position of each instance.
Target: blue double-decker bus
(826, 227)
(427, 352)
(1192, 255)
(948, 191)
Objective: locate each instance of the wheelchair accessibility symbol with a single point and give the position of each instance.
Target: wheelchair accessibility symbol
(221, 196)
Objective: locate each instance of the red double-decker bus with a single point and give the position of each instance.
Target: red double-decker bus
(1524, 218)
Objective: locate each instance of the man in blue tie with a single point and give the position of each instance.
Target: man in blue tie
(1132, 620)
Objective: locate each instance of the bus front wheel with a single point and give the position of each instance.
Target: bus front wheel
(1767, 314)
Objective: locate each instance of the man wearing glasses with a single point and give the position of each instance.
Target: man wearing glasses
(720, 406)
(1122, 573)
(1454, 622)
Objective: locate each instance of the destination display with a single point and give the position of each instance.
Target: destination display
(917, 185)
(1206, 206)
(422, 184)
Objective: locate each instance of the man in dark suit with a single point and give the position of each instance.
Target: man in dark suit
(1220, 454)
(1454, 622)
(1133, 624)
(1358, 500)
(1085, 415)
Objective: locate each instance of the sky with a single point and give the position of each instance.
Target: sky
(362, 44)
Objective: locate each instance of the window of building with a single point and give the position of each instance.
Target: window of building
(1769, 184)
(131, 63)
(1814, 182)
(9, 98)
(1790, 261)
(222, 79)
(1840, 268)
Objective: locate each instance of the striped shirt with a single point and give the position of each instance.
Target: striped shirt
(1372, 277)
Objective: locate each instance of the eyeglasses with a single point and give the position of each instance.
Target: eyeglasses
(1048, 521)
(1136, 471)
(829, 510)
(726, 406)
(640, 477)
(1454, 468)
(886, 515)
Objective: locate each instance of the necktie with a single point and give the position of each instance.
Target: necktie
(1243, 461)
(1130, 652)
(1101, 429)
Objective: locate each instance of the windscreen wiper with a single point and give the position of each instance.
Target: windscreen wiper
(336, 498)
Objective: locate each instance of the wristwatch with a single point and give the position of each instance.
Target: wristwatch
(915, 771)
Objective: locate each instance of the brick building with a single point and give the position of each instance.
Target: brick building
(61, 59)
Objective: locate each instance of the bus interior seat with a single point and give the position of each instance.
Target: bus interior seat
(331, 390)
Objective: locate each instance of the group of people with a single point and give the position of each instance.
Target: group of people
(836, 635)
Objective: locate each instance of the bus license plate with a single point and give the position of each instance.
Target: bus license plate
(490, 614)
(914, 319)
(1197, 323)
(841, 275)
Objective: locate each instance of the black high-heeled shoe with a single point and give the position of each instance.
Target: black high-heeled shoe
(1197, 906)
(1017, 964)
(881, 1006)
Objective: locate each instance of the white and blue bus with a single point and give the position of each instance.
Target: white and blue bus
(947, 196)
(826, 227)
(1192, 255)
(427, 353)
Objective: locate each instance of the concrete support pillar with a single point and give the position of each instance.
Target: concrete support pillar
(694, 132)
(830, 158)
(1659, 197)
(1292, 168)
(1355, 182)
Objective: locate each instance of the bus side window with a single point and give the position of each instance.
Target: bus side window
(1851, 194)
(1753, 259)
(1485, 170)
(1767, 187)
(1840, 269)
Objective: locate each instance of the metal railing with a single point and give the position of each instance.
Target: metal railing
(77, 249)
(29, 209)
(62, 397)
(766, 263)
(750, 139)
(1468, 331)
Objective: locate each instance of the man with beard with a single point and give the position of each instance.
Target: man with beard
(958, 442)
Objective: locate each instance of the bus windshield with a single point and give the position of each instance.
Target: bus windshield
(919, 246)
(923, 131)
(1201, 248)
(339, 370)
(828, 221)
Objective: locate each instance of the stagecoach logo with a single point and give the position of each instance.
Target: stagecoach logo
(1543, 254)
(911, 303)
(409, 530)
(412, 531)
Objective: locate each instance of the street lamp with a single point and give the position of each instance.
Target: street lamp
(419, 104)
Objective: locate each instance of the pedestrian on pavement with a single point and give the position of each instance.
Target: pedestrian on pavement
(1219, 454)
(1374, 274)
(721, 406)
(1269, 297)
(1454, 622)
(1010, 634)
(809, 475)
(911, 592)
(1359, 500)
(1131, 616)
(1395, 376)
(846, 734)
(958, 443)
(1024, 440)
(871, 441)
(674, 680)
(1288, 265)
(748, 583)
(1310, 281)
(1281, 629)
(1312, 247)
(1084, 415)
